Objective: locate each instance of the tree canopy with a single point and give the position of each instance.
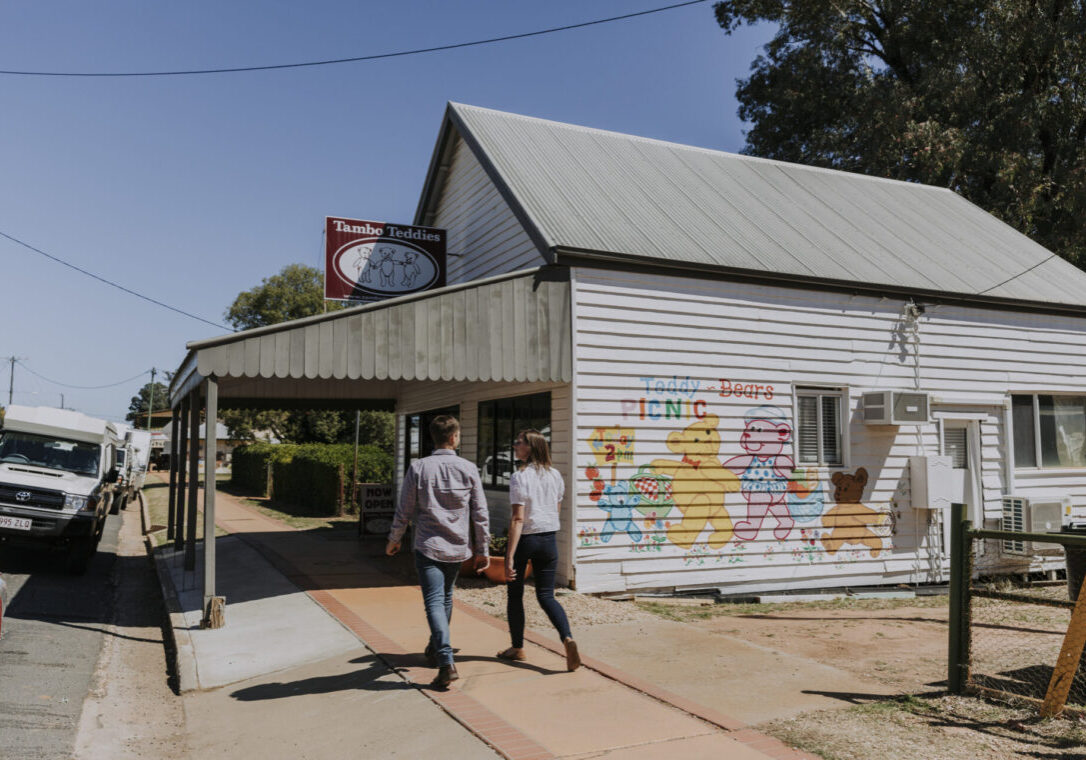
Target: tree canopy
(986, 98)
(297, 291)
(137, 407)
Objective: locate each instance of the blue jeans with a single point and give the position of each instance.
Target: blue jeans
(542, 550)
(437, 580)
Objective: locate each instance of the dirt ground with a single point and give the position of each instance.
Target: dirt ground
(896, 646)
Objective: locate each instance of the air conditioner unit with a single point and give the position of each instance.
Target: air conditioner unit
(1023, 514)
(895, 408)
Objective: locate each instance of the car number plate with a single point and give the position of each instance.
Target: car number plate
(15, 523)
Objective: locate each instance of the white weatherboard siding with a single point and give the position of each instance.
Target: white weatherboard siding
(635, 331)
(421, 397)
(483, 235)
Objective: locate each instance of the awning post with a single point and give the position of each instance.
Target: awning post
(182, 477)
(171, 514)
(194, 479)
(212, 606)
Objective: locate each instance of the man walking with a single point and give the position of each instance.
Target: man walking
(444, 497)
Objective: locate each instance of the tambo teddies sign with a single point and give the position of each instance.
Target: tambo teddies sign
(371, 261)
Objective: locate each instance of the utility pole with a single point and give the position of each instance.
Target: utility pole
(151, 399)
(62, 401)
(11, 379)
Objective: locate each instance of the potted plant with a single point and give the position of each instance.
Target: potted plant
(495, 573)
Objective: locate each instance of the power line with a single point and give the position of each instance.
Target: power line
(80, 387)
(356, 59)
(110, 282)
(1015, 277)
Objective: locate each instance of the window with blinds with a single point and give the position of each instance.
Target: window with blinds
(956, 446)
(818, 427)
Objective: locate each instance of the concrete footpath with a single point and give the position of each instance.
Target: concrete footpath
(321, 657)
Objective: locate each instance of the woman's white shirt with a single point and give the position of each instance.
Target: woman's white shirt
(540, 491)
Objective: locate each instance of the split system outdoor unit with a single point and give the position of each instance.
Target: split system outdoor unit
(895, 408)
(1021, 513)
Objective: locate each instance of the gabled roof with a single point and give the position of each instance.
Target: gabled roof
(588, 195)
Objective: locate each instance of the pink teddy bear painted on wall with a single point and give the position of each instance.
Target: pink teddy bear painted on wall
(763, 472)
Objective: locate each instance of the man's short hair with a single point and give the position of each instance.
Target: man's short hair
(442, 429)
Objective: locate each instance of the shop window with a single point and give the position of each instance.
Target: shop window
(1049, 430)
(499, 421)
(417, 441)
(818, 426)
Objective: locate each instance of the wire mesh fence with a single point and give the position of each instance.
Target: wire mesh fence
(1015, 633)
(1019, 640)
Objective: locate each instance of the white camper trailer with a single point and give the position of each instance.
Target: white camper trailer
(139, 442)
(57, 480)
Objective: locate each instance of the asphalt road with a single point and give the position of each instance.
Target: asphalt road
(53, 630)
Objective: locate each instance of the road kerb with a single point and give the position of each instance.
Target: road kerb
(184, 656)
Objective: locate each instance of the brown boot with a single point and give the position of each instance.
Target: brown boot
(573, 657)
(446, 674)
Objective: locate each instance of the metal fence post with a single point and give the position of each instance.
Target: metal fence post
(959, 580)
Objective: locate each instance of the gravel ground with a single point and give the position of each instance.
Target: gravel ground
(939, 728)
(930, 724)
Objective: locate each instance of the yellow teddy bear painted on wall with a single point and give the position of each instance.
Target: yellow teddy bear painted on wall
(699, 483)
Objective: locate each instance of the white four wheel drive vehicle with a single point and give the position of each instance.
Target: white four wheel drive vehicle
(57, 480)
(125, 460)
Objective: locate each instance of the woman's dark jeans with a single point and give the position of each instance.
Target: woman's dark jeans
(542, 550)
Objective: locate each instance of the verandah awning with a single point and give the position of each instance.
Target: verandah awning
(512, 328)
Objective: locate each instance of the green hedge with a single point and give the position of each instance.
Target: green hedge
(314, 478)
(249, 465)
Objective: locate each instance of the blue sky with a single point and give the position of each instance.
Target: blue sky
(192, 189)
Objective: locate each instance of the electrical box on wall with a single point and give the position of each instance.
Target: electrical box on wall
(930, 478)
(895, 408)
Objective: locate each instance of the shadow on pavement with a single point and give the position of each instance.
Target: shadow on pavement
(367, 678)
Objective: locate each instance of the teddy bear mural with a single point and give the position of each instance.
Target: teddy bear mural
(850, 522)
(618, 500)
(699, 483)
(764, 471)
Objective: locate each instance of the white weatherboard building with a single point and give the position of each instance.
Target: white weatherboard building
(755, 375)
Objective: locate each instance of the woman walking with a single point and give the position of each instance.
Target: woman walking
(536, 491)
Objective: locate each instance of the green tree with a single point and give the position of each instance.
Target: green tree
(986, 98)
(137, 407)
(377, 429)
(296, 292)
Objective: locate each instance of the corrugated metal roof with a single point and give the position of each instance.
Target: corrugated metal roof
(593, 190)
(513, 327)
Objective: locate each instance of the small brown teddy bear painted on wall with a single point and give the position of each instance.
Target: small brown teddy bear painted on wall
(851, 522)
